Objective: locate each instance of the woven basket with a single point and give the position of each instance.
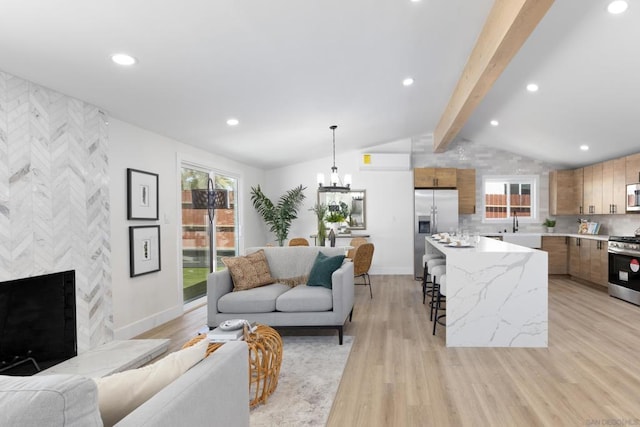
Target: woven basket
(265, 359)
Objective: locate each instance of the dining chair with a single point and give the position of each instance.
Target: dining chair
(298, 241)
(355, 242)
(362, 262)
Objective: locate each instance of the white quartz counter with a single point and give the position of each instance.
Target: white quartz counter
(485, 245)
(581, 236)
(496, 294)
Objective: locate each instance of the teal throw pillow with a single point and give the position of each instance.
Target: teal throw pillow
(323, 268)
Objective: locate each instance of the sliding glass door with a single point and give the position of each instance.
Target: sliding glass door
(207, 235)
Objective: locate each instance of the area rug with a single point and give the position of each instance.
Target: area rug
(309, 377)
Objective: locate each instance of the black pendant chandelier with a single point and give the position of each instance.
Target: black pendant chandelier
(335, 183)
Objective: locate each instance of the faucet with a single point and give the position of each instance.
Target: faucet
(515, 221)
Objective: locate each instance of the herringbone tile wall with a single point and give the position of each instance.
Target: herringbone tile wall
(54, 197)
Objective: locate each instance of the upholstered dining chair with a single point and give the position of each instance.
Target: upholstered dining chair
(362, 262)
(298, 241)
(355, 242)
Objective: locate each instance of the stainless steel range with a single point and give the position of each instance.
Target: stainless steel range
(624, 268)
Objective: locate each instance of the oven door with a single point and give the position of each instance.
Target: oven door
(624, 270)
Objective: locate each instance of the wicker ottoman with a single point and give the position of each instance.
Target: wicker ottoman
(265, 358)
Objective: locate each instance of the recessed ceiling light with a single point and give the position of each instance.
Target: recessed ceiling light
(584, 147)
(123, 59)
(408, 81)
(415, 1)
(532, 87)
(617, 6)
(233, 122)
(494, 123)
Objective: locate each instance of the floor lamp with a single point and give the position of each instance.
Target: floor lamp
(210, 199)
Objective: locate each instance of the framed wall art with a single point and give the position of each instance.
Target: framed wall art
(144, 249)
(142, 194)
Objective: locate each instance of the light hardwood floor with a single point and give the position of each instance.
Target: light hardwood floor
(398, 374)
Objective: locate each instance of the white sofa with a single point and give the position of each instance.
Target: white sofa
(214, 392)
(279, 304)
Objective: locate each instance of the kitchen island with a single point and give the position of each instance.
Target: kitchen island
(496, 294)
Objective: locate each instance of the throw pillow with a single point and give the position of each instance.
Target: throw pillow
(293, 281)
(249, 271)
(323, 268)
(122, 392)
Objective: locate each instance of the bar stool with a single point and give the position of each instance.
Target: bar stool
(425, 259)
(431, 264)
(442, 292)
(437, 272)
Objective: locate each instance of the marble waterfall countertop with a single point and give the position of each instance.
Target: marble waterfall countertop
(496, 294)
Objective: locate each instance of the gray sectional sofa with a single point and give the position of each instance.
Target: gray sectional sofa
(214, 392)
(280, 304)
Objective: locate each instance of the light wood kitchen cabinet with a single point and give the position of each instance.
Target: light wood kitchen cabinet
(596, 188)
(578, 185)
(557, 248)
(574, 257)
(579, 258)
(633, 168)
(563, 198)
(587, 190)
(613, 186)
(589, 260)
(466, 183)
(435, 178)
(599, 263)
(585, 258)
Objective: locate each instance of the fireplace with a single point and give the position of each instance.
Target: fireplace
(37, 323)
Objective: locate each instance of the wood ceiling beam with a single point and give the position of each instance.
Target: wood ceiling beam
(509, 24)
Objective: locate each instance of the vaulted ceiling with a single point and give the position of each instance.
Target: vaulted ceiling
(287, 70)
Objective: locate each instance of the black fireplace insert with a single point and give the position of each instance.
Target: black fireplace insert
(37, 323)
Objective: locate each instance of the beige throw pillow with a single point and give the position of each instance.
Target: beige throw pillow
(249, 271)
(122, 392)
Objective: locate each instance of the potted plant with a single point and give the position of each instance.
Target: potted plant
(550, 224)
(320, 210)
(334, 218)
(280, 216)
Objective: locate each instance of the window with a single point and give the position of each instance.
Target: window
(506, 197)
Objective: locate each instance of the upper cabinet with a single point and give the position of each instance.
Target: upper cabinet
(596, 189)
(464, 180)
(435, 178)
(578, 182)
(592, 191)
(633, 168)
(562, 193)
(613, 186)
(466, 191)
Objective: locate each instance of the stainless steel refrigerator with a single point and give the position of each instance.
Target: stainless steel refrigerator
(435, 211)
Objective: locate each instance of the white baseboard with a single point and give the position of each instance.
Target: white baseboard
(143, 325)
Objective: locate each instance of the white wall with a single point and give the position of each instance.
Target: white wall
(143, 302)
(389, 204)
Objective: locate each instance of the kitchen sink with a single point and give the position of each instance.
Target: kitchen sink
(529, 240)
